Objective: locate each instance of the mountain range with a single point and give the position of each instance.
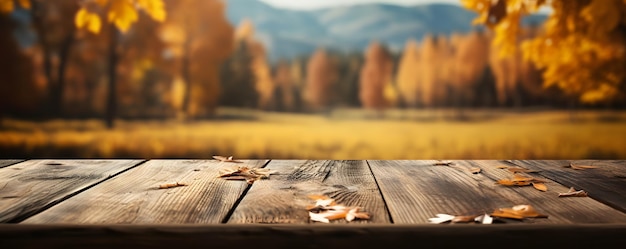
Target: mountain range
(287, 33)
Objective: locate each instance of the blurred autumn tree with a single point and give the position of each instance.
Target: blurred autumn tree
(238, 80)
(200, 39)
(347, 87)
(264, 84)
(286, 90)
(122, 14)
(321, 74)
(375, 77)
(471, 57)
(18, 92)
(582, 48)
(408, 74)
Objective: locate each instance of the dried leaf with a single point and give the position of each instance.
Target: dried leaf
(475, 170)
(484, 219)
(573, 193)
(226, 159)
(441, 218)
(244, 173)
(172, 185)
(580, 167)
(540, 186)
(518, 212)
(325, 210)
(463, 218)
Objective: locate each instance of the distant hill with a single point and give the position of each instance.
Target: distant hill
(287, 33)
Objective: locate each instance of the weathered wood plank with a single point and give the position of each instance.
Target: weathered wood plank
(606, 184)
(417, 190)
(16, 236)
(29, 187)
(7, 162)
(283, 197)
(573, 210)
(134, 197)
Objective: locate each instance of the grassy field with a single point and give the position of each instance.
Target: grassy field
(342, 134)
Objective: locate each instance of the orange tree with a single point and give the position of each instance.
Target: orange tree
(581, 49)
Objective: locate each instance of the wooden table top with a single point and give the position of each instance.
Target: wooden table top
(119, 202)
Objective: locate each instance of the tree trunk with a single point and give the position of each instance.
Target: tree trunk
(58, 89)
(111, 104)
(186, 73)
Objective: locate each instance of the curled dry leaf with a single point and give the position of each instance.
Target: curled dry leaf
(518, 212)
(244, 173)
(573, 193)
(326, 209)
(172, 185)
(475, 170)
(580, 167)
(441, 218)
(540, 186)
(226, 159)
(445, 218)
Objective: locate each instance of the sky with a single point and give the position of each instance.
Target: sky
(315, 4)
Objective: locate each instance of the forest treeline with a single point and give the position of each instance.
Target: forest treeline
(191, 61)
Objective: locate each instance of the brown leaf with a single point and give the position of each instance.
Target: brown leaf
(172, 185)
(475, 170)
(226, 159)
(518, 212)
(579, 167)
(244, 173)
(325, 210)
(463, 218)
(573, 193)
(540, 186)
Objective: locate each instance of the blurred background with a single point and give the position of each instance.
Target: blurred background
(313, 79)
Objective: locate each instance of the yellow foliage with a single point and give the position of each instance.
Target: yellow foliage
(7, 6)
(582, 49)
(121, 13)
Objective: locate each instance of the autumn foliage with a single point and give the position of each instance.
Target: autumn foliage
(375, 77)
(320, 78)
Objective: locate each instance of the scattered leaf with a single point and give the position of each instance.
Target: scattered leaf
(573, 193)
(580, 167)
(441, 218)
(518, 212)
(244, 173)
(463, 218)
(508, 182)
(484, 219)
(172, 185)
(326, 209)
(226, 159)
(540, 186)
(475, 170)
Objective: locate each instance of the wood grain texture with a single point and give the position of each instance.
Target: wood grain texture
(283, 197)
(29, 187)
(572, 210)
(306, 236)
(134, 197)
(7, 162)
(606, 184)
(417, 190)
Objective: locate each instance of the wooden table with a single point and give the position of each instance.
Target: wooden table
(109, 203)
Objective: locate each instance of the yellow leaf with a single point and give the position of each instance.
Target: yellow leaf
(540, 186)
(6, 6)
(507, 182)
(25, 4)
(122, 14)
(154, 8)
(518, 212)
(88, 20)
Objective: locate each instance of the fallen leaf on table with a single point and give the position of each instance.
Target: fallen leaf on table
(244, 173)
(443, 163)
(573, 193)
(502, 167)
(326, 209)
(226, 159)
(540, 186)
(475, 170)
(484, 219)
(463, 218)
(518, 212)
(172, 185)
(441, 218)
(580, 167)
